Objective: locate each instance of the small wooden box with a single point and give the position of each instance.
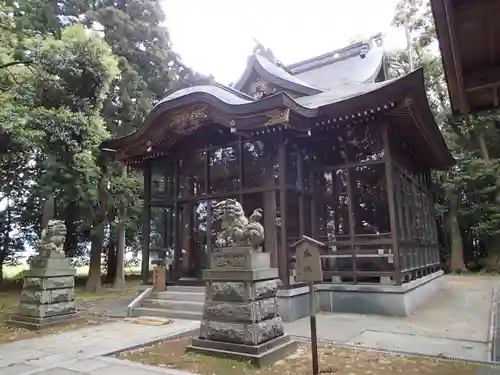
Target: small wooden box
(160, 278)
(308, 259)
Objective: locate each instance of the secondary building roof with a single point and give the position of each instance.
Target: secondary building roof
(468, 33)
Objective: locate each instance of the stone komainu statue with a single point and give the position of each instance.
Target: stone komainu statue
(53, 237)
(236, 228)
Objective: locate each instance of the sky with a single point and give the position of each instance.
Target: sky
(216, 36)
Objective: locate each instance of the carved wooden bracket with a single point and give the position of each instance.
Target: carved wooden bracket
(277, 116)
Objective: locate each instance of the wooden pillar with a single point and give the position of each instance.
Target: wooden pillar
(270, 239)
(269, 203)
(209, 206)
(300, 185)
(314, 220)
(401, 208)
(283, 254)
(177, 218)
(389, 168)
(146, 222)
(352, 228)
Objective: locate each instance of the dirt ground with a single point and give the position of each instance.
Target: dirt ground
(91, 304)
(333, 360)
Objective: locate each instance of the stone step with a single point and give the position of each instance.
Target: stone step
(186, 289)
(174, 305)
(166, 313)
(179, 296)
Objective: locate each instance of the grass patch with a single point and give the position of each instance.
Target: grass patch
(9, 303)
(333, 360)
(13, 272)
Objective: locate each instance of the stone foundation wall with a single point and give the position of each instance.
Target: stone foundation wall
(361, 299)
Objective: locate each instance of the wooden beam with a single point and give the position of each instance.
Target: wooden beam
(283, 253)
(489, 11)
(450, 18)
(389, 169)
(447, 35)
(481, 78)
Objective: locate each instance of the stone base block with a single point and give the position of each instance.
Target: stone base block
(33, 323)
(254, 311)
(47, 282)
(392, 300)
(38, 263)
(259, 355)
(47, 296)
(47, 310)
(242, 333)
(243, 275)
(240, 291)
(242, 257)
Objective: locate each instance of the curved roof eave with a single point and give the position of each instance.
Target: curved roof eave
(365, 96)
(439, 142)
(198, 94)
(243, 109)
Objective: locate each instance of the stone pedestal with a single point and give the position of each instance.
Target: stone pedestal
(48, 294)
(240, 317)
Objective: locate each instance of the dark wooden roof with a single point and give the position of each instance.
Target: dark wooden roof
(185, 110)
(469, 39)
(272, 73)
(360, 62)
(357, 63)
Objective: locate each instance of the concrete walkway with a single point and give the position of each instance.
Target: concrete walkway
(82, 351)
(456, 323)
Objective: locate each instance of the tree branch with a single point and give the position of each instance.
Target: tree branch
(12, 63)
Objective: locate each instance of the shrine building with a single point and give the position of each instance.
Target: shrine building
(329, 147)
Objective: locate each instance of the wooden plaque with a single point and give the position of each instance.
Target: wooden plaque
(308, 262)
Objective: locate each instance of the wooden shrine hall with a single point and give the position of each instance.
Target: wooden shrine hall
(328, 147)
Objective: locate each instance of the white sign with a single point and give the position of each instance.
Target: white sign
(308, 262)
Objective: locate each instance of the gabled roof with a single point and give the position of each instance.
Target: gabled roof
(275, 75)
(360, 63)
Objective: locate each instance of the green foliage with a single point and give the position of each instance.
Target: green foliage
(73, 73)
(474, 142)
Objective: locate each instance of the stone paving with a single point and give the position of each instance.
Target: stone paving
(457, 323)
(82, 351)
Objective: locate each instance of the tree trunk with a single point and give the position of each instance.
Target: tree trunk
(94, 278)
(119, 279)
(111, 260)
(457, 249)
(70, 220)
(492, 261)
(119, 272)
(1, 271)
(97, 240)
(48, 210)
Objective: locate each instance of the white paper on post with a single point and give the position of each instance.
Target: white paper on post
(308, 263)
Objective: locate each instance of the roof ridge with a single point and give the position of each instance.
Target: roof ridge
(234, 91)
(295, 67)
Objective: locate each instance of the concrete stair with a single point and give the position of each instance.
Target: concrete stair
(178, 302)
